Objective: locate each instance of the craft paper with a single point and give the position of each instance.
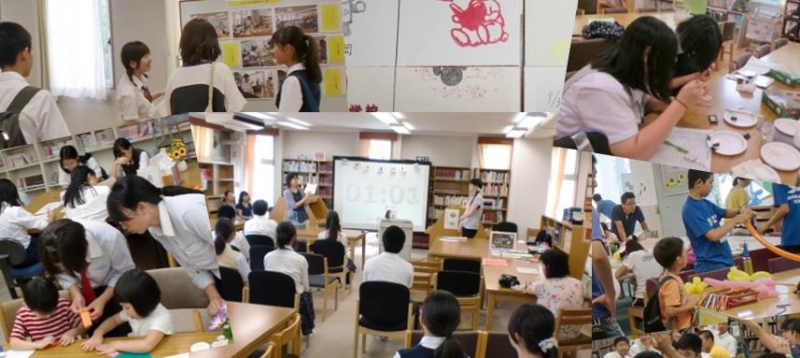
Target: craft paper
(332, 78)
(495, 262)
(331, 17)
(230, 54)
(336, 49)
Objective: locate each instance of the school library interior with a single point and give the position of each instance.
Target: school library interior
(710, 256)
(728, 105)
(256, 234)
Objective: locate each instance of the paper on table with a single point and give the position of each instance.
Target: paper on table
(527, 271)
(759, 67)
(495, 262)
(694, 141)
(19, 354)
(49, 206)
(453, 239)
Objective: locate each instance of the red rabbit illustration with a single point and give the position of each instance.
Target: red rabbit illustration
(480, 23)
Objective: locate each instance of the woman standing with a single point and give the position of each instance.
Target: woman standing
(295, 200)
(134, 99)
(472, 216)
(128, 160)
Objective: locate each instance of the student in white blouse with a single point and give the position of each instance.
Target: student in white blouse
(239, 241)
(40, 119)
(286, 261)
(300, 91)
(177, 218)
(260, 224)
(226, 256)
(69, 159)
(127, 159)
(188, 87)
(15, 222)
(134, 99)
(87, 258)
(84, 199)
(389, 266)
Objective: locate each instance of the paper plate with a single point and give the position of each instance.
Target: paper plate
(756, 169)
(787, 126)
(730, 143)
(781, 156)
(740, 119)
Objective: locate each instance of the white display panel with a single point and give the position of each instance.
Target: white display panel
(363, 190)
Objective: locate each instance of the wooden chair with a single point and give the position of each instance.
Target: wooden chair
(383, 309)
(780, 43)
(580, 12)
(762, 50)
(739, 62)
(473, 342)
(290, 334)
(570, 317)
(269, 350)
(497, 345)
(272, 289)
(612, 10)
(728, 29)
(468, 289)
(319, 277)
(423, 278)
(8, 312)
(335, 253)
(582, 51)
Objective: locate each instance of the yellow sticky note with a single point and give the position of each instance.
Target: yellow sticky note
(333, 81)
(336, 49)
(230, 54)
(331, 17)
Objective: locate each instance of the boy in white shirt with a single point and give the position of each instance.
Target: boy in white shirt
(389, 266)
(621, 346)
(260, 224)
(725, 340)
(39, 118)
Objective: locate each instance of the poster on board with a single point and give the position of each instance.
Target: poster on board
(676, 180)
(245, 29)
(441, 89)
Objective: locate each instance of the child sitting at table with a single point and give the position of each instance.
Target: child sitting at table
(285, 260)
(530, 331)
(638, 261)
(559, 290)
(140, 297)
(239, 242)
(441, 316)
(675, 305)
(226, 256)
(45, 319)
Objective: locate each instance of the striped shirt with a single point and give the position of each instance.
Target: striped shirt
(28, 325)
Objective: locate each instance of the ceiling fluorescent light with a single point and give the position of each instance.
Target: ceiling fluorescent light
(302, 123)
(261, 115)
(408, 125)
(507, 129)
(385, 117)
(292, 125)
(398, 115)
(519, 117)
(516, 132)
(400, 129)
(530, 122)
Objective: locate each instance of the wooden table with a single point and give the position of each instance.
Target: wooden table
(469, 249)
(238, 224)
(766, 308)
(789, 278)
(171, 345)
(310, 235)
(622, 19)
(494, 293)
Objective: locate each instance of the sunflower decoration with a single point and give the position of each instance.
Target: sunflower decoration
(177, 150)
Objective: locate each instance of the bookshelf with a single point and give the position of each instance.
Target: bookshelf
(791, 20)
(215, 178)
(495, 194)
(311, 171)
(34, 167)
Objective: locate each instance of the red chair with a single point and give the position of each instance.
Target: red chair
(760, 259)
(720, 274)
(685, 274)
(781, 264)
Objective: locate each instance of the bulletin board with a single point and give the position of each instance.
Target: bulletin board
(456, 55)
(245, 28)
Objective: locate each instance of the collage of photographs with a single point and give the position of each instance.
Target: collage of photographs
(400, 178)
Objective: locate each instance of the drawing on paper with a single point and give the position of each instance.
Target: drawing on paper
(358, 108)
(219, 20)
(479, 23)
(476, 84)
(450, 75)
(350, 8)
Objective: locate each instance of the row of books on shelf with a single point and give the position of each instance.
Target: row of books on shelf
(493, 217)
(138, 130)
(325, 193)
(326, 167)
(299, 166)
(21, 159)
(31, 182)
(488, 177)
(451, 174)
(448, 199)
(97, 139)
(52, 149)
(495, 190)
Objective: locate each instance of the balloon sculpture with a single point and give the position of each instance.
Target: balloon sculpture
(770, 246)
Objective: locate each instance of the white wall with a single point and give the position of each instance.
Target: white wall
(530, 174)
(443, 151)
(24, 13)
(296, 144)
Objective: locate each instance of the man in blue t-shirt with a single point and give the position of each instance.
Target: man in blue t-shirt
(787, 202)
(702, 221)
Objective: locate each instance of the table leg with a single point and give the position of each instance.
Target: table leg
(490, 310)
(363, 250)
(353, 253)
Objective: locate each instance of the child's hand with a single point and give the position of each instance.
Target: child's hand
(45, 343)
(92, 343)
(104, 349)
(77, 303)
(67, 338)
(215, 305)
(691, 93)
(96, 309)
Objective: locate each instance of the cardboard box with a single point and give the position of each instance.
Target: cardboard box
(789, 79)
(785, 104)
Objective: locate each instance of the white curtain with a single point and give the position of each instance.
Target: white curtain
(75, 49)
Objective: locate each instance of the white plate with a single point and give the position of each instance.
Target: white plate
(743, 120)
(787, 126)
(730, 143)
(781, 156)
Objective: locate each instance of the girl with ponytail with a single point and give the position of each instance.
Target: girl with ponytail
(440, 317)
(531, 332)
(84, 199)
(177, 218)
(300, 91)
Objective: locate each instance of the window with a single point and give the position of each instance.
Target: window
(79, 54)
(563, 181)
(494, 156)
(380, 149)
(264, 169)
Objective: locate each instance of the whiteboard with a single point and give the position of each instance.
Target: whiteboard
(364, 189)
(370, 88)
(244, 29)
(548, 34)
(543, 87)
(460, 33)
(370, 30)
(463, 89)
